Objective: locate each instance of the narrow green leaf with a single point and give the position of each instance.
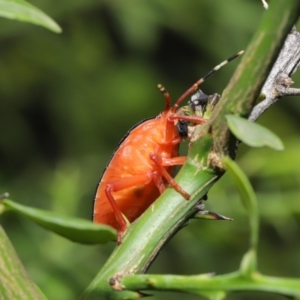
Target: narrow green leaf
(74, 229)
(249, 263)
(14, 281)
(253, 134)
(247, 194)
(241, 182)
(24, 11)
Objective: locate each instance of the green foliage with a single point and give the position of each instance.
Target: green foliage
(14, 281)
(67, 100)
(74, 229)
(23, 11)
(253, 135)
(247, 196)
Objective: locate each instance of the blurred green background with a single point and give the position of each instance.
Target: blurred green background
(66, 101)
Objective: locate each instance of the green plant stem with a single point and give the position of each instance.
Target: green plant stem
(170, 212)
(205, 282)
(14, 281)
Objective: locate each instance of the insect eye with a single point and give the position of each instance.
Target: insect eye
(182, 128)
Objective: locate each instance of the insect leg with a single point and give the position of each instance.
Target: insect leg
(196, 119)
(122, 184)
(156, 158)
(157, 179)
(174, 161)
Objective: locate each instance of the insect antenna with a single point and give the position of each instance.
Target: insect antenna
(163, 90)
(196, 85)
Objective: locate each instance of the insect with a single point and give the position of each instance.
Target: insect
(200, 105)
(141, 167)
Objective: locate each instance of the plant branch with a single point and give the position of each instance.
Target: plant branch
(278, 82)
(197, 284)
